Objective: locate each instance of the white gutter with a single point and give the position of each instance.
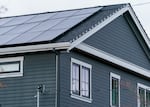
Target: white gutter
(34, 48)
(115, 60)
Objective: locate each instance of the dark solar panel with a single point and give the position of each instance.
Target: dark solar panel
(46, 25)
(4, 20)
(18, 20)
(6, 38)
(24, 38)
(41, 17)
(48, 35)
(22, 28)
(88, 10)
(5, 29)
(70, 22)
(64, 14)
(40, 27)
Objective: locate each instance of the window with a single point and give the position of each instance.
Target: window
(80, 80)
(143, 95)
(11, 67)
(114, 90)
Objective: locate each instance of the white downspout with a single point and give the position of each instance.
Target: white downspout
(56, 101)
(38, 98)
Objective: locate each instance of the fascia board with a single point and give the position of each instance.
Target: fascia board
(109, 20)
(34, 48)
(114, 59)
(97, 28)
(139, 26)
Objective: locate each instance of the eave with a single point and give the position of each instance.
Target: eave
(34, 48)
(126, 8)
(114, 60)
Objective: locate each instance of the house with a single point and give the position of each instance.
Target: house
(91, 57)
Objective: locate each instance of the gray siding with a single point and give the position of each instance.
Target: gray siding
(100, 83)
(20, 91)
(118, 39)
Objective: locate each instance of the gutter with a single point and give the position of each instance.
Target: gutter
(34, 48)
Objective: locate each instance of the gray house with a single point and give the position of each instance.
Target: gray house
(91, 57)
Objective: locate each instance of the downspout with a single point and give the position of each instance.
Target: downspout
(57, 78)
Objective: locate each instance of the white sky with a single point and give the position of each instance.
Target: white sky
(21, 7)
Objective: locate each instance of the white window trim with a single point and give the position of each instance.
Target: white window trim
(13, 74)
(112, 75)
(89, 100)
(139, 85)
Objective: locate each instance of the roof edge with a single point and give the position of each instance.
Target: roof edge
(86, 34)
(114, 59)
(34, 48)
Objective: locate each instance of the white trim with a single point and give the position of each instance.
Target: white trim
(79, 97)
(117, 77)
(97, 28)
(56, 62)
(139, 85)
(89, 100)
(139, 26)
(113, 59)
(34, 48)
(13, 74)
(107, 21)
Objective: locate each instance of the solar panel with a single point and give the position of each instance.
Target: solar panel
(5, 38)
(18, 20)
(5, 29)
(48, 35)
(46, 25)
(64, 14)
(22, 28)
(41, 17)
(70, 22)
(40, 27)
(24, 38)
(86, 11)
(4, 20)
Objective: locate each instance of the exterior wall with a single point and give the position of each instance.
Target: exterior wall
(100, 83)
(21, 91)
(118, 39)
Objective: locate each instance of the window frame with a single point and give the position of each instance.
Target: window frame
(12, 60)
(80, 97)
(116, 76)
(146, 88)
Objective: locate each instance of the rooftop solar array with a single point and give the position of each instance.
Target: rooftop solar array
(40, 27)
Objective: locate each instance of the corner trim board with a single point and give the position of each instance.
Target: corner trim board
(114, 59)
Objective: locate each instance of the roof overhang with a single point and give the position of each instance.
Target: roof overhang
(114, 59)
(108, 20)
(34, 48)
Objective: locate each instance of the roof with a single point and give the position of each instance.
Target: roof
(17, 31)
(40, 27)
(47, 26)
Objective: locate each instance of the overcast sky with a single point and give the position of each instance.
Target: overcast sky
(21, 7)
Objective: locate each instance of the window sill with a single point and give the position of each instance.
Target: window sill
(89, 100)
(5, 75)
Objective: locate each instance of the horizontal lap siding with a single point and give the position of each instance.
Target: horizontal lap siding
(118, 39)
(21, 91)
(100, 83)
